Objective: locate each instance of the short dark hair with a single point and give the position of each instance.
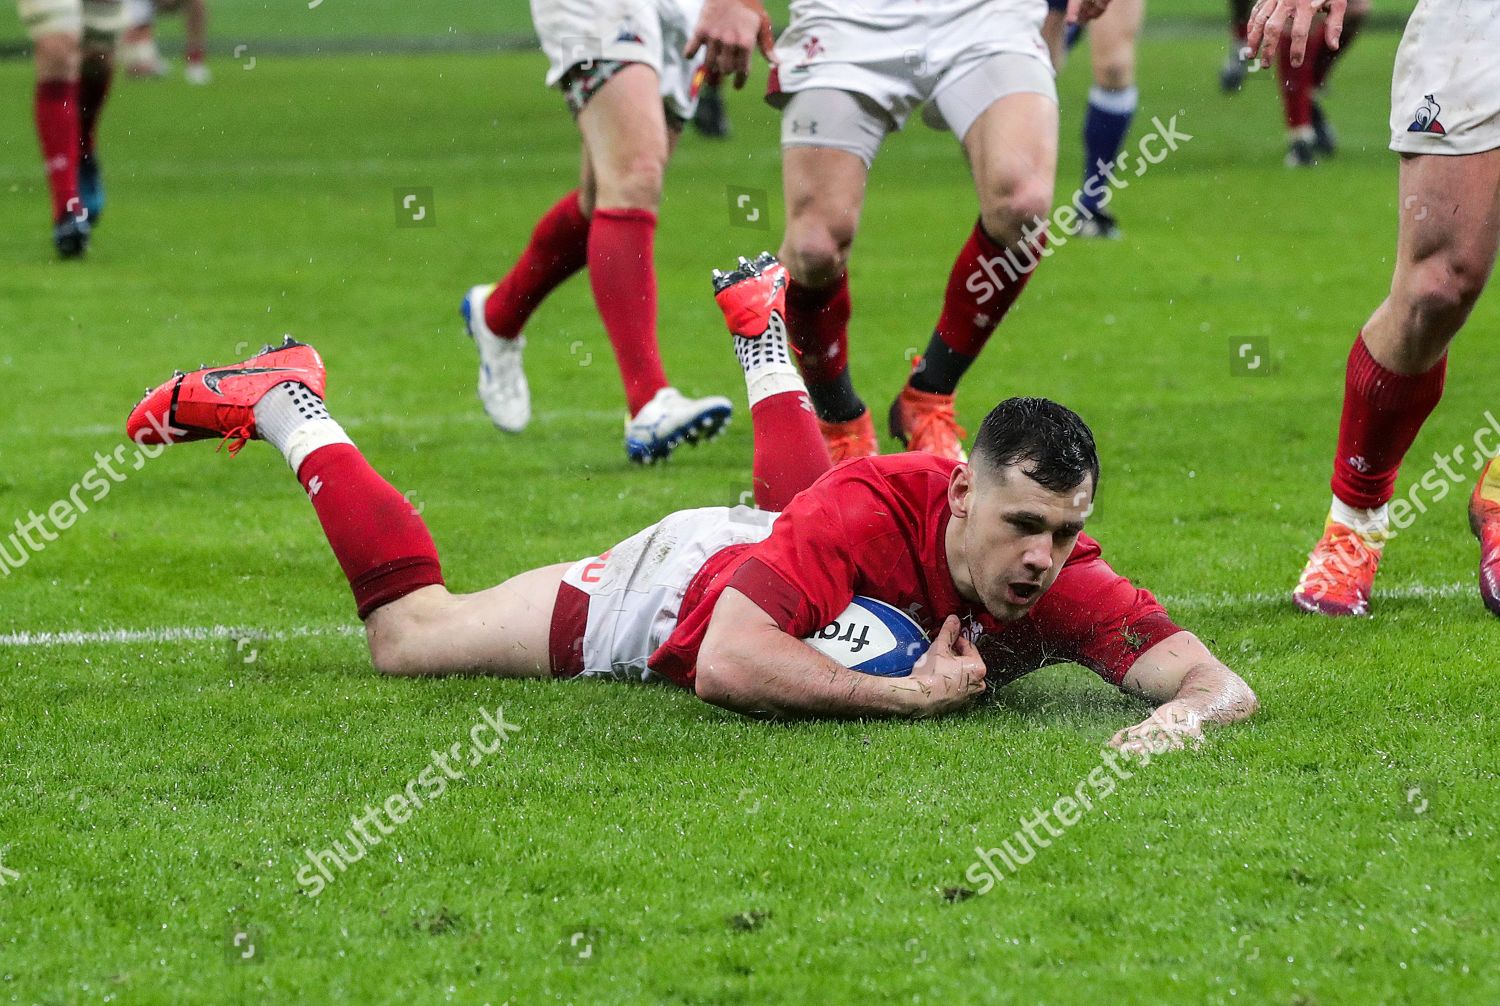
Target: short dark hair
(1050, 443)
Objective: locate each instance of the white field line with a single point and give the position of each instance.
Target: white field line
(176, 634)
(211, 633)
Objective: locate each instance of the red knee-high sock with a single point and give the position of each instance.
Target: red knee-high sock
(1383, 411)
(622, 272)
(57, 130)
(93, 90)
(381, 543)
(817, 324)
(559, 247)
(1297, 82)
(986, 280)
(789, 449)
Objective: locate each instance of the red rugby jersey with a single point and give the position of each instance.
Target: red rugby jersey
(876, 527)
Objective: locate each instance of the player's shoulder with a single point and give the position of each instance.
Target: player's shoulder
(899, 466)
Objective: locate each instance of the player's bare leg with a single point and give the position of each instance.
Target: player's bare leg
(825, 191)
(503, 631)
(1111, 107)
(1012, 152)
(1445, 251)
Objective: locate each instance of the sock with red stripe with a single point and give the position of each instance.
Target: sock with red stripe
(622, 272)
(1383, 412)
(789, 449)
(559, 247)
(986, 280)
(817, 321)
(377, 536)
(93, 90)
(57, 131)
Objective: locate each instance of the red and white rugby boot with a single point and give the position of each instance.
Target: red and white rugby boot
(1340, 572)
(753, 296)
(1484, 521)
(220, 401)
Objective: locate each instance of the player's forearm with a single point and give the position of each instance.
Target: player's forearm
(771, 674)
(1211, 693)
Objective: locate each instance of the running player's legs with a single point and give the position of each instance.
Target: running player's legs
(1445, 250)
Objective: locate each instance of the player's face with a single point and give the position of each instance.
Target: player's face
(1015, 536)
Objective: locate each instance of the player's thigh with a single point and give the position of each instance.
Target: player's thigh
(625, 131)
(829, 139)
(1112, 43)
(1450, 212)
(825, 193)
(504, 631)
(1012, 152)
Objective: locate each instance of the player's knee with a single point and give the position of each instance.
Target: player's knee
(57, 56)
(636, 183)
(1116, 73)
(1010, 211)
(816, 255)
(399, 636)
(1442, 290)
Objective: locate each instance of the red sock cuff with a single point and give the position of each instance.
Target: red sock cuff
(393, 580)
(815, 298)
(1386, 389)
(645, 216)
(56, 90)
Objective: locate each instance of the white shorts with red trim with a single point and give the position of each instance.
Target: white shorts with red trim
(615, 609)
(1445, 94)
(579, 33)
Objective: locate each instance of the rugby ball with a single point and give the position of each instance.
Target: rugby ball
(872, 637)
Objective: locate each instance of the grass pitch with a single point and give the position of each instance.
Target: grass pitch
(632, 844)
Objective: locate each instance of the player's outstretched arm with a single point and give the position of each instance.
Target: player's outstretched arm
(748, 664)
(1193, 688)
(732, 30)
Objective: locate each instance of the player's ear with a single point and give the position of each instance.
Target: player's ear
(961, 491)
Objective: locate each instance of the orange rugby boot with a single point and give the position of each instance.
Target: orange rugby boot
(925, 421)
(853, 438)
(1340, 573)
